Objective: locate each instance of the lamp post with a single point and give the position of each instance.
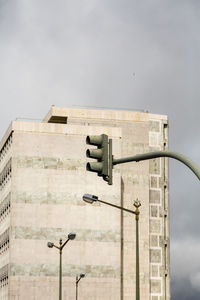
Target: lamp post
(78, 278)
(71, 236)
(137, 204)
(92, 198)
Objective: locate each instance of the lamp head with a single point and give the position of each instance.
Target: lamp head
(50, 244)
(82, 275)
(90, 198)
(71, 236)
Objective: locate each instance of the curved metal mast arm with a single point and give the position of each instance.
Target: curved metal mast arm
(188, 162)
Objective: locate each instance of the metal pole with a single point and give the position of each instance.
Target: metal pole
(137, 204)
(116, 206)
(60, 272)
(185, 160)
(71, 236)
(76, 287)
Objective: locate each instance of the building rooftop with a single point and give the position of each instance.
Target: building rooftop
(60, 115)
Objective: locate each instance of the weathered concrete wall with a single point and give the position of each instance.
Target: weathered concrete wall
(48, 181)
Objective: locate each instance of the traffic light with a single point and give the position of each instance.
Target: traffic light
(103, 154)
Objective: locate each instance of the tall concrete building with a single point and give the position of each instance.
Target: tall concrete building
(42, 180)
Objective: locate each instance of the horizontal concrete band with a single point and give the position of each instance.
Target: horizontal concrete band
(53, 128)
(103, 114)
(57, 198)
(37, 162)
(53, 234)
(67, 270)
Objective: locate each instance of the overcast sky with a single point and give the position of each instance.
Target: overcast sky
(117, 54)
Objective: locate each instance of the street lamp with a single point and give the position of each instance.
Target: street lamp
(71, 236)
(78, 278)
(92, 198)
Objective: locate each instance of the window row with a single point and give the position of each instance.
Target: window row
(5, 208)
(4, 241)
(3, 283)
(4, 274)
(5, 174)
(4, 248)
(5, 147)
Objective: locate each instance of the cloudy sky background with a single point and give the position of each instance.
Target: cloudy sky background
(117, 54)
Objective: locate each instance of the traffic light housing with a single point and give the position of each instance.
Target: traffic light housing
(103, 155)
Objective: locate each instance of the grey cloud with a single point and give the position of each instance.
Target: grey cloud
(183, 290)
(195, 281)
(185, 270)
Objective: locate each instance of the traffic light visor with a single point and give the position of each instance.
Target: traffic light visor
(94, 166)
(94, 140)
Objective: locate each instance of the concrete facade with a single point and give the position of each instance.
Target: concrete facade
(43, 178)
